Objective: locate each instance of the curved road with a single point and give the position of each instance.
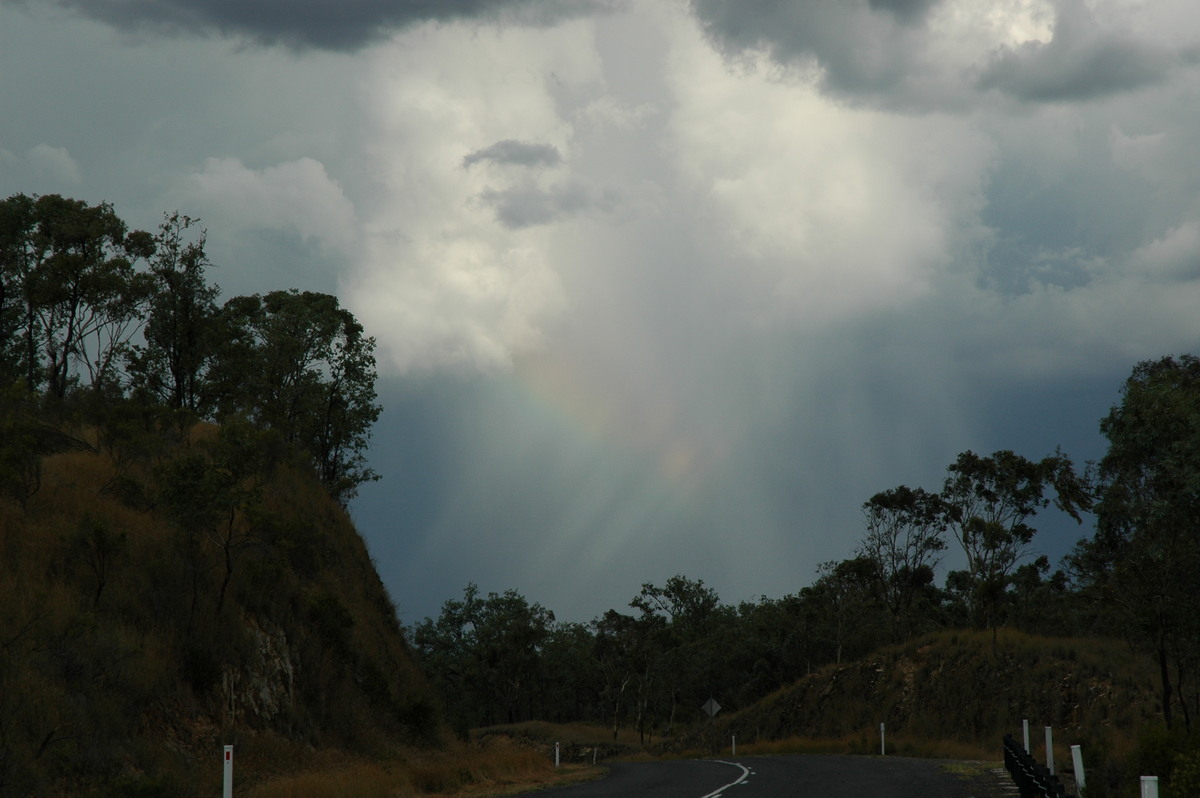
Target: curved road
(778, 777)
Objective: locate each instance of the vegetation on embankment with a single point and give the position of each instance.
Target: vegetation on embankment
(969, 686)
(137, 637)
(955, 694)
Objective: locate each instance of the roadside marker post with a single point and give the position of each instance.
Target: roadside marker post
(1149, 786)
(882, 741)
(228, 790)
(1077, 759)
(1050, 750)
(1025, 723)
(556, 755)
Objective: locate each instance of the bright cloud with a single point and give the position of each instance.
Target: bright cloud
(455, 271)
(298, 196)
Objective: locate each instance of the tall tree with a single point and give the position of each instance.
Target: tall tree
(18, 342)
(485, 655)
(903, 544)
(1145, 556)
(86, 299)
(180, 330)
(630, 653)
(848, 616)
(676, 630)
(298, 363)
(989, 505)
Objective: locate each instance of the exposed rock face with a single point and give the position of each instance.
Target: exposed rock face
(264, 690)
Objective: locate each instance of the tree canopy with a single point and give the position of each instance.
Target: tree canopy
(90, 308)
(1143, 561)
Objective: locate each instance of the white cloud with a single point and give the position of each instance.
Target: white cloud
(606, 111)
(56, 164)
(297, 196)
(456, 270)
(1173, 256)
(835, 211)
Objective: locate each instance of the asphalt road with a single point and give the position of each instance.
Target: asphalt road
(781, 777)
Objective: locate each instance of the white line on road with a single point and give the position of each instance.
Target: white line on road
(745, 774)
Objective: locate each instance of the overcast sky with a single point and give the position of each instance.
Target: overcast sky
(659, 287)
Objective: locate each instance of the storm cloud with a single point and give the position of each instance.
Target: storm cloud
(920, 55)
(515, 153)
(323, 24)
(658, 288)
(1083, 61)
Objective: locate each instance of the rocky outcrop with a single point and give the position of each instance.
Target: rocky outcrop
(264, 690)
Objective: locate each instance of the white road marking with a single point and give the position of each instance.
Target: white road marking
(740, 779)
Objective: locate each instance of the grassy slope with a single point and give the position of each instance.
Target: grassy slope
(119, 673)
(964, 688)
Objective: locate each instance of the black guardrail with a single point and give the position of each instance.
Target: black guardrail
(1032, 779)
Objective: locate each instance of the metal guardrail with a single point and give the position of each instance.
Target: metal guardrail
(1032, 779)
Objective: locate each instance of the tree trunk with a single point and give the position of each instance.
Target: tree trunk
(1165, 671)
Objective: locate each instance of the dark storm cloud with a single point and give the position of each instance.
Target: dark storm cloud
(1081, 62)
(321, 24)
(879, 51)
(856, 59)
(906, 10)
(516, 153)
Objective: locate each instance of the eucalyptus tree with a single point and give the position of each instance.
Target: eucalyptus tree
(848, 621)
(902, 545)
(300, 364)
(989, 504)
(630, 652)
(171, 366)
(679, 625)
(1144, 560)
(18, 341)
(485, 655)
(83, 298)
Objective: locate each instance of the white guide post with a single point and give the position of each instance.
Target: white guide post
(1025, 723)
(1149, 786)
(1049, 751)
(1077, 759)
(882, 743)
(228, 790)
(733, 747)
(556, 755)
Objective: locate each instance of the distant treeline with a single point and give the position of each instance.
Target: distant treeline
(121, 329)
(499, 659)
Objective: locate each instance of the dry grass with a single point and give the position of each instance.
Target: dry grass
(574, 733)
(866, 742)
(498, 767)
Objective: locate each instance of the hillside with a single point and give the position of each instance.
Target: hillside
(962, 686)
(201, 591)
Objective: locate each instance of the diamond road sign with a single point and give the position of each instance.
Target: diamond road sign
(711, 707)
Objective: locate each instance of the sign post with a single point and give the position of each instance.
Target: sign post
(711, 708)
(228, 791)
